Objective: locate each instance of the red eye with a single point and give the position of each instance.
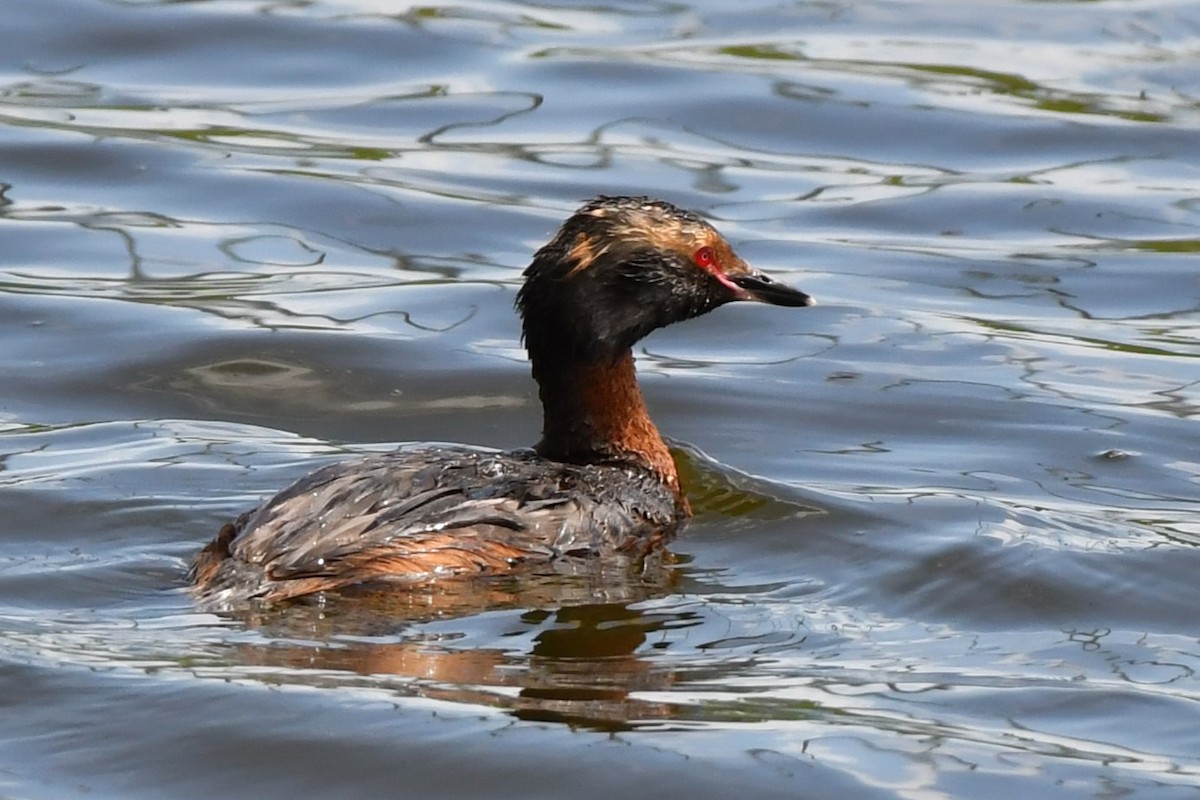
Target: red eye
(705, 257)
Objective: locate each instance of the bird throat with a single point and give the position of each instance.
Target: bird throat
(595, 413)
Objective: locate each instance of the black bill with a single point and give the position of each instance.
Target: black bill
(765, 290)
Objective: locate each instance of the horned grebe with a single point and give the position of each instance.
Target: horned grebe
(601, 480)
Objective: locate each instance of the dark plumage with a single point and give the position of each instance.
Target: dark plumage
(433, 511)
(600, 481)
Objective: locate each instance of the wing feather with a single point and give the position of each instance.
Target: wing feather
(417, 513)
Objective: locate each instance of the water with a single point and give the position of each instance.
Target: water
(947, 539)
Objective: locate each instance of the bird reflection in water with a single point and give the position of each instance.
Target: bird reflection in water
(577, 656)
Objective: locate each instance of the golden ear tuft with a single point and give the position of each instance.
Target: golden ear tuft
(582, 253)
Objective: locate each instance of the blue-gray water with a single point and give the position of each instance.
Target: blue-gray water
(948, 536)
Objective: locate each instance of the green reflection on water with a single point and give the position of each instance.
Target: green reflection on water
(1043, 98)
(1165, 245)
(1105, 344)
(758, 51)
(999, 83)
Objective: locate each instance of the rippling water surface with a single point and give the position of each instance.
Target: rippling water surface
(948, 530)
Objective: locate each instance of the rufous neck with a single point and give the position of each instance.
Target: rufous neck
(596, 413)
